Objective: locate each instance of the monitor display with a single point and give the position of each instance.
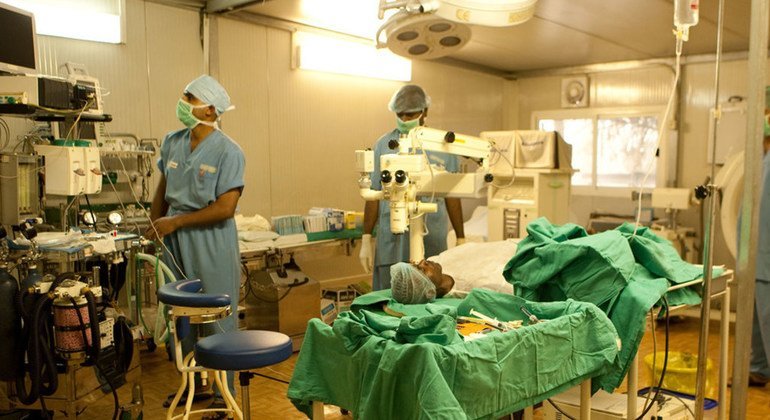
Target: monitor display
(18, 46)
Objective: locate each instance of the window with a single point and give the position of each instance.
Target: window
(610, 149)
(90, 20)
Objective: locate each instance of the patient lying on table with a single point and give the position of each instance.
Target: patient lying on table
(419, 283)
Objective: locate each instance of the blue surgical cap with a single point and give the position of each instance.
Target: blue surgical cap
(410, 98)
(208, 90)
(409, 285)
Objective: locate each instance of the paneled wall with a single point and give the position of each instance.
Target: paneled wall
(145, 75)
(299, 128)
(141, 79)
(648, 87)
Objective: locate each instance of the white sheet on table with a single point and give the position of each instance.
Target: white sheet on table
(295, 239)
(255, 246)
(252, 223)
(257, 236)
(478, 264)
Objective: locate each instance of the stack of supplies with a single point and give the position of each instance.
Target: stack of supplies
(290, 224)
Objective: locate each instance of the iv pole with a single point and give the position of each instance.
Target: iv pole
(747, 248)
(708, 235)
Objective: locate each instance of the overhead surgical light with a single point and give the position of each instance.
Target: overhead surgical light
(423, 35)
(434, 28)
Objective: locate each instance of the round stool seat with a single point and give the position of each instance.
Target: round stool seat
(242, 350)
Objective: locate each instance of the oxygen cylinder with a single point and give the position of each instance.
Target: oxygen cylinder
(10, 324)
(34, 276)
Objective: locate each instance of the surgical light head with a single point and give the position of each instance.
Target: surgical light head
(422, 36)
(208, 90)
(427, 29)
(410, 98)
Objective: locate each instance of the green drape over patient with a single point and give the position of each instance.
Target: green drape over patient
(622, 273)
(419, 367)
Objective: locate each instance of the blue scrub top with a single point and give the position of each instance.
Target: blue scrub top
(194, 179)
(395, 248)
(763, 244)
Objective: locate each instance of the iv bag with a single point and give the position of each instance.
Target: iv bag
(685, 13)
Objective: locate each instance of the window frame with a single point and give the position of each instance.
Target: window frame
(594, 114)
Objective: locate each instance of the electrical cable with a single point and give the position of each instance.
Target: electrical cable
(692, 413)
(510, 163)
(5, 131)
(560, 410)
(77, 120)
(44, 409)
(36, 355)
(149, 219)
(654, 352)
(117, 195)
(665, 361)
(289, 287)
(146, 214)
(90, 210)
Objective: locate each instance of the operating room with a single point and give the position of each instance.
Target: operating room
(384, 209)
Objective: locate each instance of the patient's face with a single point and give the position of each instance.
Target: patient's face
(444, 283)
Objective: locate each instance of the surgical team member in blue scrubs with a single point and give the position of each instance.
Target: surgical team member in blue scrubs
(410, 104)
(759, 371)
(192, 211)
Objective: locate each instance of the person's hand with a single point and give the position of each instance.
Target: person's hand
(460, 241)
(164, 226)
(366, 254)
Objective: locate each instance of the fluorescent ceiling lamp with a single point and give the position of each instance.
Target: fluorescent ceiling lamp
(335, 55)
(90, 20)
(352, 17)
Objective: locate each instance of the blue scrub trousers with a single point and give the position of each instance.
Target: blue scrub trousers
(760, 333)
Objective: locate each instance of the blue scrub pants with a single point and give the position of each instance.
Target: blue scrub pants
(760, 333)
(381, 277)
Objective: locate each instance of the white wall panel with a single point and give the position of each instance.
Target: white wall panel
(243, 71)
(631, 88)
(698, 98)
(121, 69)
(174, 58)
(303, 126)
(144, 76)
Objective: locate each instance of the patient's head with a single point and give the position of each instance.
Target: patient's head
(419, 283)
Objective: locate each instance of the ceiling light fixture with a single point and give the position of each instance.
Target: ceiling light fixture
(426, 29)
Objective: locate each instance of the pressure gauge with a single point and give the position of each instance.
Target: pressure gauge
(89, 218)
(115, 218)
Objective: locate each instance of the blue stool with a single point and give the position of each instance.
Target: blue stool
(239, 351)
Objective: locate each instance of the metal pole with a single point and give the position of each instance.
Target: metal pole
(747, 246)
(633, 387)
(585, 400)
(724, 341)
(708, 246)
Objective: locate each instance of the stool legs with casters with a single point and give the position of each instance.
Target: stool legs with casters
(238, 351)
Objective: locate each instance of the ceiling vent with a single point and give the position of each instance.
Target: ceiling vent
(574, 92)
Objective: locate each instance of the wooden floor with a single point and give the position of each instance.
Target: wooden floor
(268, 398)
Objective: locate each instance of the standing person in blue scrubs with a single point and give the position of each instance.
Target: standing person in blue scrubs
(410, 104)
(192, 211)
(759, 371)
